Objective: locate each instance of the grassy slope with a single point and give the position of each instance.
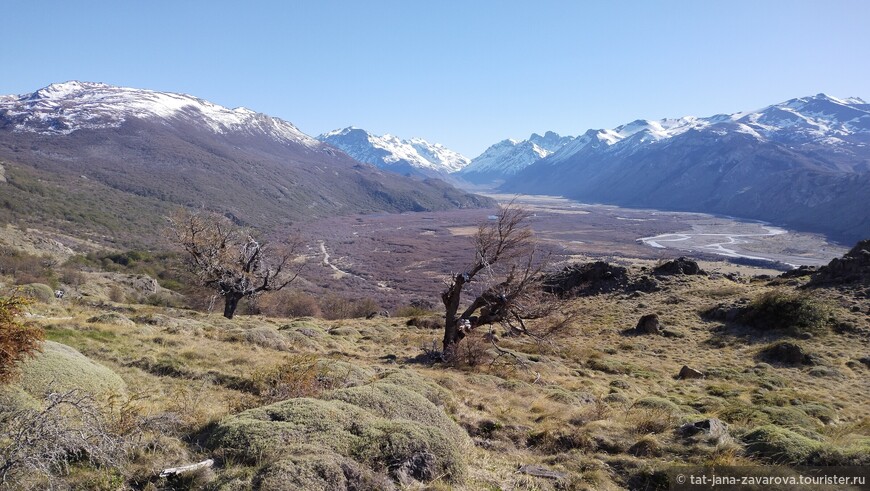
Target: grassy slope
(597, 404)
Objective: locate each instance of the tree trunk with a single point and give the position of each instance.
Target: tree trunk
(231, 301)
(450, 297)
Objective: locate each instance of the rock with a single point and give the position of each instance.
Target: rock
(865, 360)
(380, 313)
(648, 324)
(712, 428)
(688, 372)
(800, 272)
(679, 266)
(587, 279)
(787, 353)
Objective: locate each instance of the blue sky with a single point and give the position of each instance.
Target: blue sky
(462, 73)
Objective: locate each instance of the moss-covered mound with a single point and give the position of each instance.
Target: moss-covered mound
(352, 436)
(60, 368)
(777, 445)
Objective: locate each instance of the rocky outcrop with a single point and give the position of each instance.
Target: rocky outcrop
(594, 278)
(679, 266)
(853, 267)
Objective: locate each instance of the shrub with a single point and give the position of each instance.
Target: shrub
(338, 307)
(39, 292)
(793, 313)
(289, 304)
(299, 376)
(17, 342)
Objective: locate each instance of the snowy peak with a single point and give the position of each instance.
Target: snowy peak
(415, 155)
(507, 157)
(63, 108)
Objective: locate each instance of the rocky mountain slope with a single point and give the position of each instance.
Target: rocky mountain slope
(111, 160)
(804, 163)
(415, 156)
(507, 157)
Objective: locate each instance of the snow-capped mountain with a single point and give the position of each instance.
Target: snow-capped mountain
(63, 108)
(804, 162)
(416, 156)
(507, 157)
(118, 159)
(821, 120)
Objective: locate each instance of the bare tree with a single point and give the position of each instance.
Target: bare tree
(504, 248)
(224, 257)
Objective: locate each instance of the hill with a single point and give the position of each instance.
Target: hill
(308, 403)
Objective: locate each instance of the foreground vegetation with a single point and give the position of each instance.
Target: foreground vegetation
(126, 386)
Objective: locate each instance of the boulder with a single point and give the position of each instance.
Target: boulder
(712, 429)
(787, 353)
(688, 372)
(648, 324)
(679, 266)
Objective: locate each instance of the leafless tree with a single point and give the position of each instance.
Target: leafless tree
(226, 258)
(507, 256)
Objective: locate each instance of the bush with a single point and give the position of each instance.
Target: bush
(289, 304)
(338, 307)
(299, 376)
(17, 342)
(26, 268)
(793, 313)
(39, 292)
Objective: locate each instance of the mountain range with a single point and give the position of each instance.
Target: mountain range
(803, 163)
(110, 161)
(507, 157)
(105, 159)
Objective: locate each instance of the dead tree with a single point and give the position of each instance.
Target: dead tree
(231, 261)
(504, 248)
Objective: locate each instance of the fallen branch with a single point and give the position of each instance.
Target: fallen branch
(174, 471)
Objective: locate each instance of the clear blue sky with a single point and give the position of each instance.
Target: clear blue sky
(462, 73)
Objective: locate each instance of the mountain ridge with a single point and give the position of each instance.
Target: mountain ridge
(414, 155)
(804, 163)
(138, 153)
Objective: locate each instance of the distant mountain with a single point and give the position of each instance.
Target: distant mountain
(803, 163)
(415, 156)
(507, 157)
(94, 158)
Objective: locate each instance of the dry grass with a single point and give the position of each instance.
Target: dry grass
(592, 396)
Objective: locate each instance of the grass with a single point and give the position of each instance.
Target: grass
(307, 402)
